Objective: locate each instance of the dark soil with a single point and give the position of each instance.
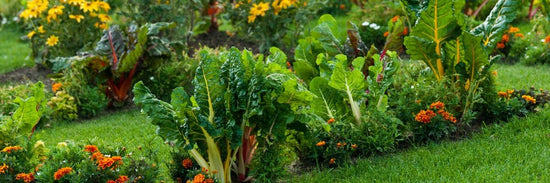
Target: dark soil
(25, 75)
(220, 39)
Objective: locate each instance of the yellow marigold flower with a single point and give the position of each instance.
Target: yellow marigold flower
(259, 9)
(321, 143)
(41, 29)
(529, 99)
(75, 2)
(89, 7)
(495, 73)
(513, 29)
(251, 18)
(62, 172)
(238, 4)
(3, 168)
(100, 25)
(31, 34)
(10, 149)
(52, 40)
(26, 177)
(520, 35)
(104, 5)
(395, 18)
(104, 18)
(78, 18)
(54, 12)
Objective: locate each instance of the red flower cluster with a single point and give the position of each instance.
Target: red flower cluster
(26, 177)
(102, 161)
(425, 116)
(90, 148)
(187, 163)
(121, 179)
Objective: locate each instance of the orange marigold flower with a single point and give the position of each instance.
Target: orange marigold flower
(187, 163)
(26, 177)
(405, 31)
(495, 73)
(10, 149)
(330, 121)
(122, 179)
(338, 145)
(321, 143)
(425, 116)
(520, 35)
(354, 146)
(417, 101)
(97, 156)
(56, 87)
(198, 178)
(513, 29)
(395, 18)
(502, 94)
(509, 91)
(505, 38)
(342, 6)
(111, 181)
(386, 34)
(437, 105)
(3, 168)
(332, 161)
(108, 162)
(62, 172)
(547, 39)
(500, 45)
(529, 99)
(209, 181)
(89, 148)
(453, 119)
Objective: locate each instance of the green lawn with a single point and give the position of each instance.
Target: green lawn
(522, 77)
(13, 53)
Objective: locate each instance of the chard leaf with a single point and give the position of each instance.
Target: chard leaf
(324, 33)
(305, 70)
(296, 96)
(474, 55)
(25, 116)
(502, 14)
(349, 82)
(161, 114)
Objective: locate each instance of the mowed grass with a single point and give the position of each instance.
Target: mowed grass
(519, 76)
(13, 53)
(516, 151)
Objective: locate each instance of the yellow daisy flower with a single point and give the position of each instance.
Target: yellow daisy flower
(52, 40)
(78, 18)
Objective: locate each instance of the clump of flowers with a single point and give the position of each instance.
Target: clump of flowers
(3, 168)
(187, 163)
(121, 179)
(425, 116)
(508, 35)
(64, 26)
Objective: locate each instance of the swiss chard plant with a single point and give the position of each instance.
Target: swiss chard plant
(239, 104)
(23, 121)
(442, 40)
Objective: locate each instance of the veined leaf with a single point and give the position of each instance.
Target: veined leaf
(294, 95)
(474, 55)
(130, 59)
(435, 25)
(324, 33)
(497, 22)
(349, 82)
(454, 54)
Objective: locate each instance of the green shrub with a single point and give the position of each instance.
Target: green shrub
(91, 101)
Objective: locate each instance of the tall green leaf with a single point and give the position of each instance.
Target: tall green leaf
(435, 25)
(474, 55)
(502, 14)
(324, 33)
(349, 81)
